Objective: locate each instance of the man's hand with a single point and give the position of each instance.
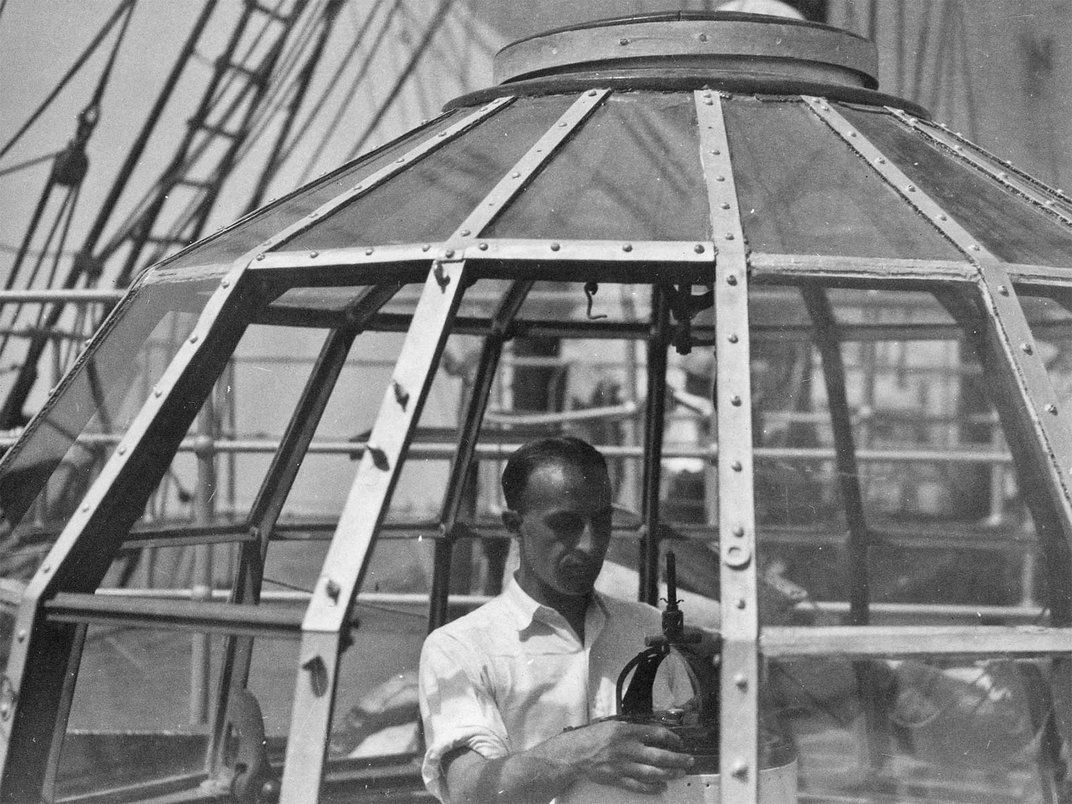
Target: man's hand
(628, 755)
(633, 756)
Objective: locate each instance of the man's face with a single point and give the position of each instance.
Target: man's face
(564, 529)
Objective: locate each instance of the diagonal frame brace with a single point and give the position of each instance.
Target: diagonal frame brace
(739, 716)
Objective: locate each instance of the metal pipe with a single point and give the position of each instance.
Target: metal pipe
(204, 514)
(652, 451)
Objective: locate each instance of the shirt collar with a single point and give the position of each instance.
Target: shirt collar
(526, 610)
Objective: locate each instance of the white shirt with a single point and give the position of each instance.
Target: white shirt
(513, 673)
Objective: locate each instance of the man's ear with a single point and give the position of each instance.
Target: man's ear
(512, 520)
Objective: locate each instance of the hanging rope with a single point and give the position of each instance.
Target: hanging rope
(351, 92)
(351, 54)
(392, 96)
(124, 7)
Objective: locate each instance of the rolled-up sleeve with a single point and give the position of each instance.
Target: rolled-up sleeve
(457, 707)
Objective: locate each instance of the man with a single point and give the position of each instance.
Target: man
(509, 692)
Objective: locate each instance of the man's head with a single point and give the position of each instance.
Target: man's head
(559, 505)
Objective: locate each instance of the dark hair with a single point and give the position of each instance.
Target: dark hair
(555, 449)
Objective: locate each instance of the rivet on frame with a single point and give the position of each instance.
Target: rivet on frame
(720, 178)
(1049, 202)
(703, 37)
(740, 769)
(562, 125)
(881, 160)
(740, 681)
(1003, 290)
(852, 133)
(157, 392)
(731, 279)
(592, 93)
(735, 401)
(627, 247)
(226, 283)
(22, 635)
(193, 338)
(911, 188)
(400, 160)
(464, 233)
(732, 338)
(729, 235)
(1026, 348)
(623, 41)
(1003, 175)
(426, 247)
(738, 531)
(555, 247)
(314, 254)
(1051, 408)
(260, 256)
(46, 568)
(449, 253)
(369, 251)
(120, 450)
(736, 466)
(741, 603)
(716, 152)
(85, 507)
(943, 217)
(698, 248)
(725, 205)
(975, 247)
(482, 246)
(515, 175)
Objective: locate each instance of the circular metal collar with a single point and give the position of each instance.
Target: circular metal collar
(720, 43)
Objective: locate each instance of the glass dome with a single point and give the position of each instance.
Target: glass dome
(774, 229)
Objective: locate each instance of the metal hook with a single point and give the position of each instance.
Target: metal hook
(590, 290)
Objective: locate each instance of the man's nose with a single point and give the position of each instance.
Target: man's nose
(589, 539)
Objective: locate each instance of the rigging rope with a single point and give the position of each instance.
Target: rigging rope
(317, 107)
(124, 6)
(351, 93)
(419, 51)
